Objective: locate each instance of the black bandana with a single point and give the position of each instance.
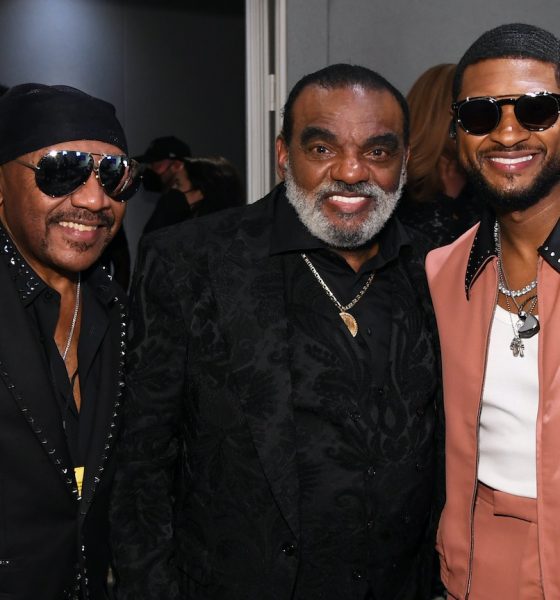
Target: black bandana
(34, 116)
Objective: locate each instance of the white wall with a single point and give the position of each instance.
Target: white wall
(399, 38)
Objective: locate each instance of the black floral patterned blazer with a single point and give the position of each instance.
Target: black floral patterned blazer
(205, 499)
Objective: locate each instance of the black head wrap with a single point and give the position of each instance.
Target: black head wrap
(516, 40)
(34, 116)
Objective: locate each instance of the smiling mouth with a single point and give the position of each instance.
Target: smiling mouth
(349, 199)
(78, 226)
(511, 161)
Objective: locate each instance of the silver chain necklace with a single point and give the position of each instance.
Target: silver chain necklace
(64, 354)
(527, 325)
(502, 284)
(347, 318)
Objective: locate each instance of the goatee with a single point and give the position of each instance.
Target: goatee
(515, 200)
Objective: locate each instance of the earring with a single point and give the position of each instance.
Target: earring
(452, 130)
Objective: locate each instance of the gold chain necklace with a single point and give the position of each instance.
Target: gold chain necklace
(347, 318)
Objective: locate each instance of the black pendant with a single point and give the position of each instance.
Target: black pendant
(527, 326)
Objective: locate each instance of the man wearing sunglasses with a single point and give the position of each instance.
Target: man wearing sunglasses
(496, 292)
(64, 174)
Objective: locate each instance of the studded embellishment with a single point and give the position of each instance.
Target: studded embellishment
(550, 250)
(37, 429)
(26, 281)
(482, 250)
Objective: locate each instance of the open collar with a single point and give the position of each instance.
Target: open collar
(483, 249)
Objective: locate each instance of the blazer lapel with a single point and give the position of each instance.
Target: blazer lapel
(25, 374)
(249, 290)
(110, 387)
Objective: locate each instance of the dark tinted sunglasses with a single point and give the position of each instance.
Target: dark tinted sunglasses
(61, 172)
(481, 115)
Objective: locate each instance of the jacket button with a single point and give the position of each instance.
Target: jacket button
(357, 575)
(420, 411)
(355, 415)
(371, 471)
(288, 549)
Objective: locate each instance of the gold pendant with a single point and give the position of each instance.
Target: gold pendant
(350, 322)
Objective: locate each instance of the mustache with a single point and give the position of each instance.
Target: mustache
(521, 147)
(340, 187)
(82, 215)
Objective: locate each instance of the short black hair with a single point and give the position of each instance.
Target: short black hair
(342, 75)
(514, 40)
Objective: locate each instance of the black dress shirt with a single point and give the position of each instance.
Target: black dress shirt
(336, 417)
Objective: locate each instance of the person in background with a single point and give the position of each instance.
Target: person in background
(213, 185)
(436, 200)
(64, 179)
(164, 173)
(496, 292)
(283, 423)
(200, 186)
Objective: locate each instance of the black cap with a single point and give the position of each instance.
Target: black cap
(165, 147)
(35, 116)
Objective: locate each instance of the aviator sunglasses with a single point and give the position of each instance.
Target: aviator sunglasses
(61, 172)
(535, 111)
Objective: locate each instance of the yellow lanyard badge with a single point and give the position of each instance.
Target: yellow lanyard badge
(79, 474)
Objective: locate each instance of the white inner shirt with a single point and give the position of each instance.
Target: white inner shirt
(510, 401)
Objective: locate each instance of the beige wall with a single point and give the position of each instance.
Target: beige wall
(399, 38)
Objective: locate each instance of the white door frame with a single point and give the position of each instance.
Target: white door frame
(265, 91)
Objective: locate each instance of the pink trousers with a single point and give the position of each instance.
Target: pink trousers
(506, 558)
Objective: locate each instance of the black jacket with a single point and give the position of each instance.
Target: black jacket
(206, 492)
(52, 545)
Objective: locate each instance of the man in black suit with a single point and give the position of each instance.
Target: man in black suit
(283, 428)
(63, 176)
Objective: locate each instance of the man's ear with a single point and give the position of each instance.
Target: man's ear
(281, 157)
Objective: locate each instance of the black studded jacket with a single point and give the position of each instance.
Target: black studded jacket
(54, 542)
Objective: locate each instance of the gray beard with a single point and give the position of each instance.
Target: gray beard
(309, 208)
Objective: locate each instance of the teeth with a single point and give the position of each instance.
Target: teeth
(345, 199)
(78, 226)
(512, 161)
